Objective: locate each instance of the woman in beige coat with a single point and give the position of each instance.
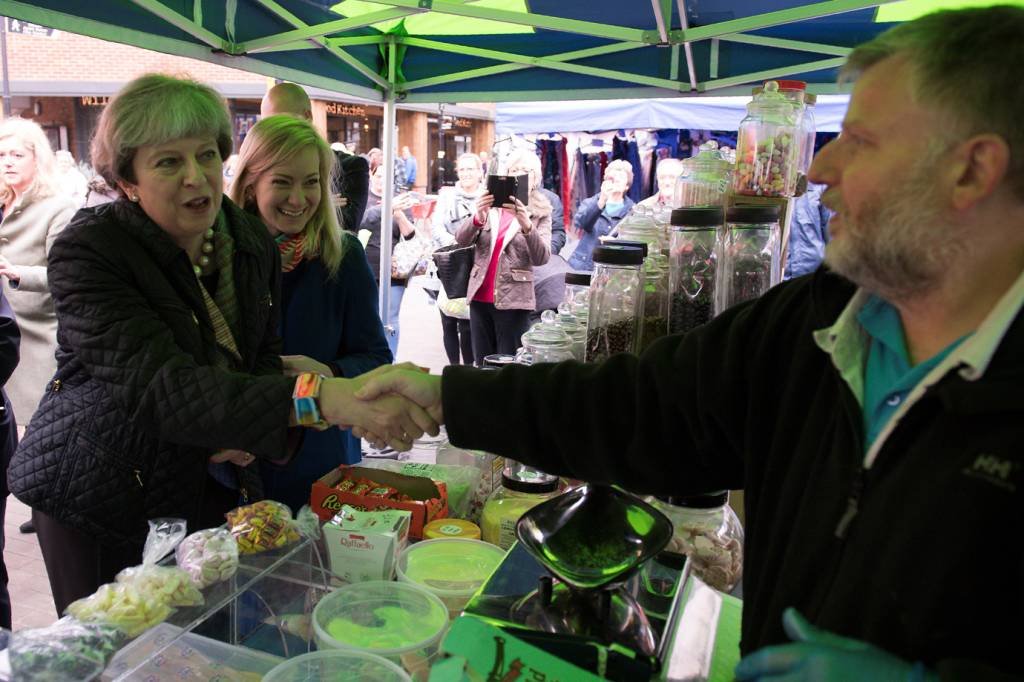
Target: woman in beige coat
(510, 241)
(33, 215)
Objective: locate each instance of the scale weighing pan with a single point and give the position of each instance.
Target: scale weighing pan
(594, 536)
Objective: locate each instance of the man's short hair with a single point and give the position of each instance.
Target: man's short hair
(968, 63)
(286, 98)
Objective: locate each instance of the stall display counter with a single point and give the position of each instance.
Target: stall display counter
(247, 625)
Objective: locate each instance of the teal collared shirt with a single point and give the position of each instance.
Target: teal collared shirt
(848, 345)
(888, 375)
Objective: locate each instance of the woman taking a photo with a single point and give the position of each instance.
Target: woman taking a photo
(510, 240)
(598, 214)
(169, 381)
(329, 320)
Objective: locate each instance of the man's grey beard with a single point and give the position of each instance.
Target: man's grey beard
(903, 245)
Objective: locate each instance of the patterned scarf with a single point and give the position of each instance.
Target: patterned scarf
(292, 248)
(222, 306)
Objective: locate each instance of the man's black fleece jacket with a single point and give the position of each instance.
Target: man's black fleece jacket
(930, 563)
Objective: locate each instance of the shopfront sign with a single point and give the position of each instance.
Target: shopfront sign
(25, 28)
(342, 109)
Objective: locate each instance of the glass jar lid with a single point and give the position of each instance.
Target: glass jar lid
(707, 165)
(772, 106)
(619, 253)
(546, 336)
(697, 217)
(752, 214)
(578, 278)
(712, 500)
(526, 479)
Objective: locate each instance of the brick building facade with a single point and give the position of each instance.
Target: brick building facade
(63, 80)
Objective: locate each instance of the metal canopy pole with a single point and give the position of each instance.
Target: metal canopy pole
(386, 200)
(6, 79)
(684, 22)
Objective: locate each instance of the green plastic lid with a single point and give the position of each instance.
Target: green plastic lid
(382, 617)
(450, 566)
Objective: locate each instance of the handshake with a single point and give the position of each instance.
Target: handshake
(392, 405)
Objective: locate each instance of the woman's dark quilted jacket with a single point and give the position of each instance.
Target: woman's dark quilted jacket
(124, 431)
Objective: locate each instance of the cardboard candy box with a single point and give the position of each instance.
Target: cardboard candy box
(425, 499)
(365, 545)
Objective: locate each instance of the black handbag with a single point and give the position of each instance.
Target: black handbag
(454, 263)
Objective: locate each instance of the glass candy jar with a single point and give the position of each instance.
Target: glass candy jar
(577, 293)
(655, 316)
(641, 228)
(616, 297)
(704, 178)
(707, 531)
(767, 145)
(544, 343)
(522, 488)
(807, 134)
(692, 264)
(571, 324)
(749, 255)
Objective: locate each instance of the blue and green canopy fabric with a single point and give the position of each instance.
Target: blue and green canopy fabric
(496, 50)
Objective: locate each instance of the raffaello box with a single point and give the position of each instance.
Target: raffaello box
(365, 545)
(366, 489)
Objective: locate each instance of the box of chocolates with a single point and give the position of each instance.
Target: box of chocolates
(366, 489)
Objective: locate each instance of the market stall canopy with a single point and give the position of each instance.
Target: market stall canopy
(695, 113)
(490, 50)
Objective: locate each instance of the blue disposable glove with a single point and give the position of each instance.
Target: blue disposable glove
(822, 656)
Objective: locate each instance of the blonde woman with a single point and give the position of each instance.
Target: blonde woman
(598, 214)
(34, 213)
(329, 320)
(511, 238)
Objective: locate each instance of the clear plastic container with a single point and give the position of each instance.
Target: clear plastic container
(616, 300)
(402, 622)
(544, 343)
(707, 530)
(704, 178)
(351, 666)
(164, 650)
(768, 145)
(453, 569)
(521, 489)
(693, 264)
(749, 254)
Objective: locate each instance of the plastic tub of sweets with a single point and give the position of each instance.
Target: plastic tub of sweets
(351, 666)
(452, 568)
(402, 622)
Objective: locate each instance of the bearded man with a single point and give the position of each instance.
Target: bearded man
(872, 411)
